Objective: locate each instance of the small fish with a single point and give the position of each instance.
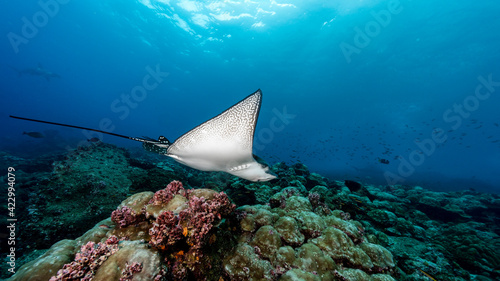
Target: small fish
(383, 161)
(94, 139)
(105, 226)
(36, 135)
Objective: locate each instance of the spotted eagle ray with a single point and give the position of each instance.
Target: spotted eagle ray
(223, 143)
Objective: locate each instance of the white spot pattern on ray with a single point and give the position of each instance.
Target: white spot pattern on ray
(222, 141)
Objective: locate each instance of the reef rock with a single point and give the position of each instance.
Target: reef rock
(295, 242)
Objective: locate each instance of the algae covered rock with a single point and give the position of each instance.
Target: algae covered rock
(84, 186)
(96, 234)
(289, 231)
(311, 259)
(381, 277)
(264, 217)
(380, 257)
(302, 243)
(352, 274)
(331, 240)
(359, 259)
(47, 265)
(311, 224)
(137, 201)
(296, 274)
(245, 264)
(248, 223)
(335, 243)
(266, 241)
(284, 257)
(297, 204)
(383, 217)
(256, 216)
(315, 179)
(176, 204)
(131, 252)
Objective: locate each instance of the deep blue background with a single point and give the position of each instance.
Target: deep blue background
(381, 101)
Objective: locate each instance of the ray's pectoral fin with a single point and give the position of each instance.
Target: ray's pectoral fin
(224, 143)
(159, 146)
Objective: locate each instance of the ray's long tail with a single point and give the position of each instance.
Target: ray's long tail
(158, 146)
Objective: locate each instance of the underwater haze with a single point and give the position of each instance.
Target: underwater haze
(383, 92)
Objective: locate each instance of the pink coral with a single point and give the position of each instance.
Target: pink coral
(185, 232)
(179, 271)
(195, 222)
(129, 271)
(201, 214)
(87, 261)
(125, 216)
(166, 230)
(163, 196)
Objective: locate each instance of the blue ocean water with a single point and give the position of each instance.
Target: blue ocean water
(345, 83)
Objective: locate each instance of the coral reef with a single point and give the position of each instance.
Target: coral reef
(293, 242)
(184, 227)
(64, 194)
(300, 226)
(95, 176)
(87, 261)
(447, 235)
(179, 233)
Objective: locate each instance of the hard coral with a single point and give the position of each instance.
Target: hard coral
(190, 228)
(201, 215)
(314, 198)
(43, 267)
(194, 222)
(171, 198)
(180, 225)
(129, 271)
(244, 264)
(166, 230)
(165, 195)
(304, 243)
(125, 216)
(87, 261)
(126, 262)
